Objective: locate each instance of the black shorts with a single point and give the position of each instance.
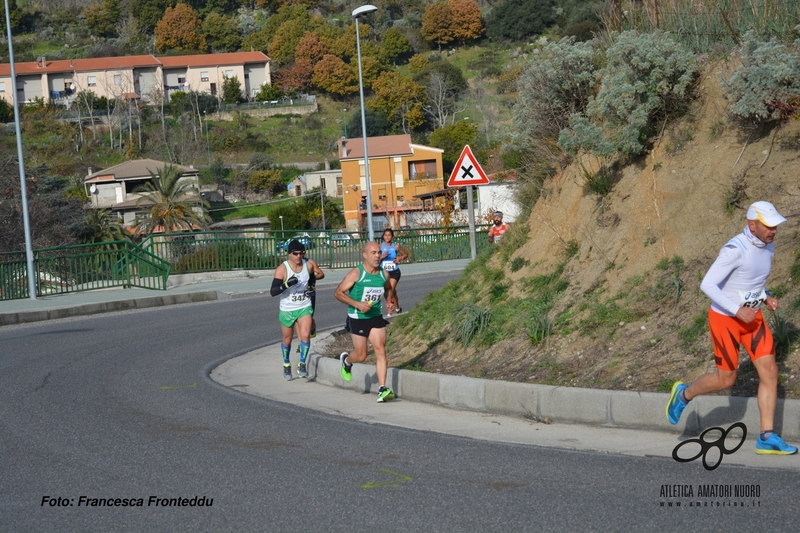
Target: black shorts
(393, 274)
(363, 326)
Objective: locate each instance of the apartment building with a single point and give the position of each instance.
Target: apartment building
(142, 77)
(398, 171)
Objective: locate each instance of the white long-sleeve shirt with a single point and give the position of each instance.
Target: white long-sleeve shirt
(738, 277)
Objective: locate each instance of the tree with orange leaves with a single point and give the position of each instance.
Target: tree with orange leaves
(179, 29)
(453, 20)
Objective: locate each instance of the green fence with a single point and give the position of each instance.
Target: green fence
(82, 268)
(220, 251)
(122, 264)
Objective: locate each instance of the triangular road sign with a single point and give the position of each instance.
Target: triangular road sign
(467, 171)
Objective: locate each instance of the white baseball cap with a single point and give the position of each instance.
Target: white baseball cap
(766, 213)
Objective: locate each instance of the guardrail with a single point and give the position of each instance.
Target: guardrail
(82, 267)
(148, 265)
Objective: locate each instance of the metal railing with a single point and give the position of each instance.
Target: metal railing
(82, 267)
(261, 250)
(148, 265)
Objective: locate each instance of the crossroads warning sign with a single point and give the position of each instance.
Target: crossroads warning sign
(467, 171)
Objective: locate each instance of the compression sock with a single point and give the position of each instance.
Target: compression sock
(304, 346)
(285, 351)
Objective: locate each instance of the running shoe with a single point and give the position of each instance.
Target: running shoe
(287, 372)
(313, 328)
(385, 394)
(675, 406)
(398, 311)
(346, 369)
(774, 445)
(301, 370)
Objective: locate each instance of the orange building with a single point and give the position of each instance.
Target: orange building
(398, 171)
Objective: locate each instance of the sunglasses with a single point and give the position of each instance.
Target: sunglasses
(298, 253)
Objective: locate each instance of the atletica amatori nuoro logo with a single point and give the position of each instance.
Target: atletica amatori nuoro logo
(709, 445)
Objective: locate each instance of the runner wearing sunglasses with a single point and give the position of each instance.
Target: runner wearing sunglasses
(295, 281)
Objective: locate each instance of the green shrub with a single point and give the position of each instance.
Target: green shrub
(516, 20)
(471, 321)
(766, 86)
(647, 76)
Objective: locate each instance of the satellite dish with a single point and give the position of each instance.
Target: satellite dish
(93, 188)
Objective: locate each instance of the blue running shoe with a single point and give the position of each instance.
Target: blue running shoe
(675, 406)
(346, 369)
(287, 372)
(774, 446)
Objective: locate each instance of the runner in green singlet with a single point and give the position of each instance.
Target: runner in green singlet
(362, 290)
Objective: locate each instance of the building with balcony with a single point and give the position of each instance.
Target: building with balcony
(398, 171)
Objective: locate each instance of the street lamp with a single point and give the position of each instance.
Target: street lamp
(26, 223)
(344, 121)
(282, 235)
(363, 10)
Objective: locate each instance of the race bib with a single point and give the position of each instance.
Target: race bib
(372, 294)
(752, 298)
(298, 296)
(389, 266)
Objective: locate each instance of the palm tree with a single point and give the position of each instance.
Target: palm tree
(101, 227)
(171, 203)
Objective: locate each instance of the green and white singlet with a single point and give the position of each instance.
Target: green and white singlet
(294, 298)
(368, 288)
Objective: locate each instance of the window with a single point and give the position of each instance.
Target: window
(91, 81)
(181, 80)
(322, 183)
(117, 79)
(2, 86)
(204, 76)
(422, 170)
(229, 74)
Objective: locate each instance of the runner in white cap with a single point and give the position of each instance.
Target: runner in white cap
(736, 284)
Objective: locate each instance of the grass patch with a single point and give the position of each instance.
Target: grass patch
(691, 333)
(604, 317)
(471, 321)
(518, 263)
(784, 332)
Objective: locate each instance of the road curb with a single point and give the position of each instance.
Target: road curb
(569, 405)
(24, 317)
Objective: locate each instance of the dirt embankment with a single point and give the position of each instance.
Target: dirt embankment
(642, 251)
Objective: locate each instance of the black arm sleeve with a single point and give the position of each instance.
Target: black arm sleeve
(277, 287)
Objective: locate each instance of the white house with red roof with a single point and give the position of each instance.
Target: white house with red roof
(143, 77)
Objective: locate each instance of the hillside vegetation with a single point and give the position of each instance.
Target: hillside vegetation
(602, 290)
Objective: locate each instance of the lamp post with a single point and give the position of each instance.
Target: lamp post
(282, 235)
(208, 143)
(26, 223)
(344, 121)
(363, 10)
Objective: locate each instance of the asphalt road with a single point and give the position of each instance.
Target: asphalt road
(120, 406)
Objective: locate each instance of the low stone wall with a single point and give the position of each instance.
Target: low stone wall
(271, 111)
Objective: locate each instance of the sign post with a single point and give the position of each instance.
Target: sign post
(468, 172)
